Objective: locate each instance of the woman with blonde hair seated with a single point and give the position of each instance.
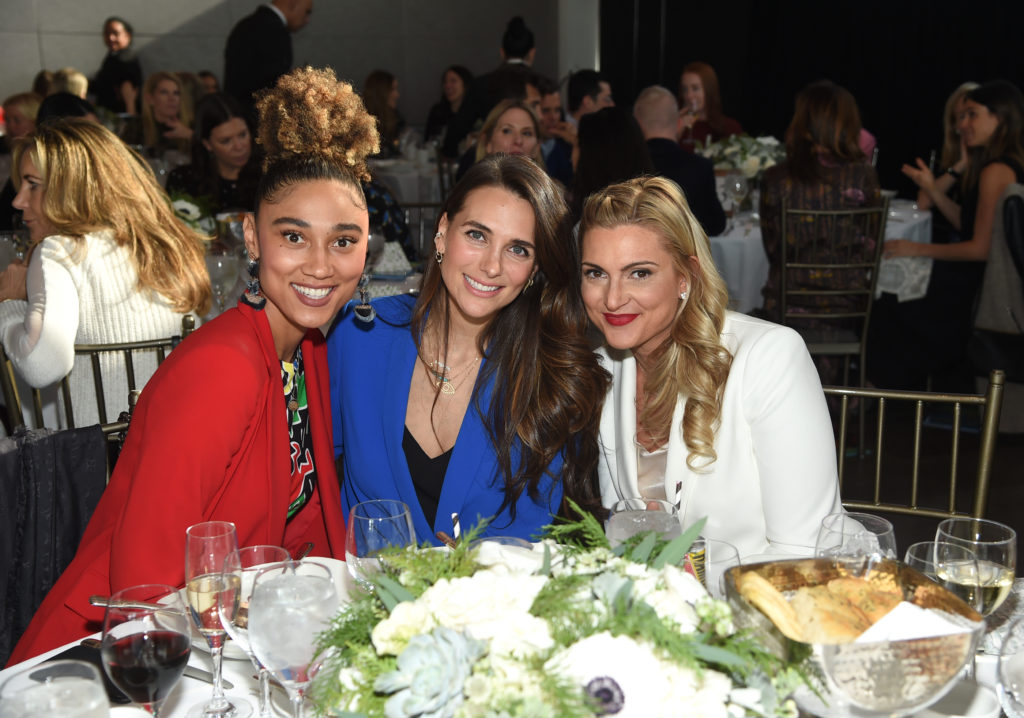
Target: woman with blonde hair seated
(511, 128)
(110, 261)
(166, 116)
(715, 412)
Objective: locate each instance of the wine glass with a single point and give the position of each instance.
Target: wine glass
(291, 603)
(372, 527)
(223, 269)
(853, 536)
(233, 604)
(951, 565)
(70, 689)
(146, 642)
(207, 546)
(629, 517)
(719, 557)
(995, 546)
(737, 187)
(1010, 684)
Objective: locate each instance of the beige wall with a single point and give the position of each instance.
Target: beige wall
(414, 39)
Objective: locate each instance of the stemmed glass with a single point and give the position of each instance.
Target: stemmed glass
(223, 269)
(995, 546)
(737, 188)
(719, 557)
(952, 566)
(855, 536)
(70, 689)
(372, 527)
(291, 603)
(1011, 670)
(233, 604)
(629, 517)
(146, 642)
(207, 546)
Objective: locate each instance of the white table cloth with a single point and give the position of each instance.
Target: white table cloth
(411, 181)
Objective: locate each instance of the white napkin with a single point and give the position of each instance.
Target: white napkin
(908, 621)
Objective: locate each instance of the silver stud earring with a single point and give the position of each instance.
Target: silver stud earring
(684, 295)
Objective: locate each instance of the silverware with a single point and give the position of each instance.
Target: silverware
(104, 601)
(191, 671)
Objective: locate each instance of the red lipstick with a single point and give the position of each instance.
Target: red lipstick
(619, 320)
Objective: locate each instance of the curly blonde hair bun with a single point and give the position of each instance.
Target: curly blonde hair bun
(311, 112)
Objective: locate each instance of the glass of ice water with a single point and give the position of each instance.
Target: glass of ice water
(291, 603)
(630, 517)
(71, 689)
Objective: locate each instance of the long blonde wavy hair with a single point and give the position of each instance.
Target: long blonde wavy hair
(692, 362)
(94, 182)
(151, 135)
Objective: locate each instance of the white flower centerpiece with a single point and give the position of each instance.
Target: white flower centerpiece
(568, 629)
(749, 155)
(193, 211)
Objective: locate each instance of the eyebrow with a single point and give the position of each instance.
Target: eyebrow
(340, 227)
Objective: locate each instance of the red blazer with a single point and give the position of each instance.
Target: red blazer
(208, 441)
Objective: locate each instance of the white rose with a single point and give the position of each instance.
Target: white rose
(408, 619)
(484, 597)
(670, 605)
(751, 166)
(768, 140)
(520, 637)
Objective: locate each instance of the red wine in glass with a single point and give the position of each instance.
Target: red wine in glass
(146, 666)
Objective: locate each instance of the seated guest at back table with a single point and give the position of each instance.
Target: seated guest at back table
(993, 134)
(715, 412)
(824, 169)
(589, 91)
(452, 118)
(380, 91)
(657, 113)
(235, 424)
(557, 136)
(511, 128)
(110, 263)
(703, 119)
(68, 79)
(210, 84)
(165, 123)
(479, 398)
(224, 169)
(610, 148)
(20, 117)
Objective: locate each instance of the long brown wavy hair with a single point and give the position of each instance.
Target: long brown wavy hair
(826, 122)
(94, 182)
(692, 362)
(548, 385)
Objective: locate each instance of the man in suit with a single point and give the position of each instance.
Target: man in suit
(657, 113)
(557, 136)
(259, 48)
(589, 91)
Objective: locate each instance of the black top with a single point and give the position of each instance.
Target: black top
(427, 474)
(222, 194)
(258, 51)
(117, 68)
(453, 126)
(695, 175)
(969, 209)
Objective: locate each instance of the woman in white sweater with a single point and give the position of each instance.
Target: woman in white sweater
(110, 262)
(716, 412)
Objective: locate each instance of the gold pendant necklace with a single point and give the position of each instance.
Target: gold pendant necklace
(443, 378)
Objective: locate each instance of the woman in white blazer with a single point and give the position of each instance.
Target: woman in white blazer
(717, 412)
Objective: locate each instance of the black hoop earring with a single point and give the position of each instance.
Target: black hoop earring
(364, 310)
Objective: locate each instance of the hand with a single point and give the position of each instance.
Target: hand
(178, 131)
(921, 175)
(902, 248)
(12, 281)
(566, 131)
(687, 117)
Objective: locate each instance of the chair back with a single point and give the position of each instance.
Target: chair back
(422, 218)
(828, 276)
(901, 489)
(446, 170)
(124, 355)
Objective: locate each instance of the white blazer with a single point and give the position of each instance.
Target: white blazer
(775, 476)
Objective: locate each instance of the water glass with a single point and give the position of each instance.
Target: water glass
(952, 566)
(146, 642)
(70, 689)
(630, 517)
(1010, 673)
(719, 557)
(291, 603)
(995, 545)
(374, 526)
(243, 566)
(855, 536)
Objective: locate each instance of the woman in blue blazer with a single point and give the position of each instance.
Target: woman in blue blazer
(480, 398)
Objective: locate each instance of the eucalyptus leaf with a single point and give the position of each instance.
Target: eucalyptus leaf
(642, 551)
(721, 656)
(400, 592)
(676, 549)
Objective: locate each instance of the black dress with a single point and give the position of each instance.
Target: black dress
(221, 194)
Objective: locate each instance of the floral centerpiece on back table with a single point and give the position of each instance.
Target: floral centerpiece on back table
(571, 628)
(750, 155)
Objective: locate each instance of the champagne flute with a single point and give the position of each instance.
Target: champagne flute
(629, 517)
(233, 604)
(1010, 683)
(951, 565)
(995, 546)
(70, 689)
(145, 647)
(855, 536)
(207, 545)
(291, 603)
(372, 527)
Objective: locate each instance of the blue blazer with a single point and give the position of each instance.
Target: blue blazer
(371, 366)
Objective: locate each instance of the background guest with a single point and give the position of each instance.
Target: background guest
(589, 91)
(209, 80)
(41, 83)
(511, 128)
(657, 113)
(70, 80)
(451, 118)
(380, 93)
(20, 117)
(116, 84)
(165, 124)
(507, 80)
(557, 135)
(703, 119)
(224, 169)
(718, 413)
(110, 261)
(610, 148)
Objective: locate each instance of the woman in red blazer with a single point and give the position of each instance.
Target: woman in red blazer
(235, 425)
